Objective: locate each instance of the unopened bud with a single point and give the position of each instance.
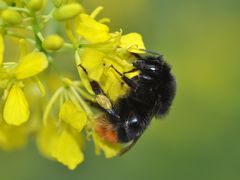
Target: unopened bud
(35, 5)
(67, 11)
(11, 17)
(53, 42)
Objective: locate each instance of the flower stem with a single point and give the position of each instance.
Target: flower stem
(50, 104)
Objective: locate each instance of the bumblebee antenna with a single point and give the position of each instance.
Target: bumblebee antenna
(151, 52)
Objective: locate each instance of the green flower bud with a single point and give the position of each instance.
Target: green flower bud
(35, 5)
(11, 17)
(67, 11)
(53, 42)
(57, 3)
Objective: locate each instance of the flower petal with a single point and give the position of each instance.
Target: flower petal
(91, 30)
(111, 81)
(92, 61)
(110, 150)
(73, 115)
(67, 150)
(46, 139)
(16, 110)
(133, 42)
(1, 48)
(12, 137)
(31, 64)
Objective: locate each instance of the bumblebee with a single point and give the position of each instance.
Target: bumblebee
(150, 95)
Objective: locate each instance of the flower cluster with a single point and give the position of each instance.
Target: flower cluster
(38, 98)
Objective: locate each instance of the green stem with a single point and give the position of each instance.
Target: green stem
(19, 9)
(37, 33)
(50, 104)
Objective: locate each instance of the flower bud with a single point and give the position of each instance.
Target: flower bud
(57, 3)
(35, 5)
(53, 42)
(67, 11)
(11, 17)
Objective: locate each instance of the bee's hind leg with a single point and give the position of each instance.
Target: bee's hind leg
(131, 83)
(102, 102)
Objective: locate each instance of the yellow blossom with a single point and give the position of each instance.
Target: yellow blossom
(109, 150)
(103, 50)
(98, 67)
(132, 42)
(63, 146)
(31, 64)
(12, 137)
(93, 61)
(16, 110)
(111, 81)
(46, 139)
(67, 150)
(91, 30)
(101, 56)
(73, 115)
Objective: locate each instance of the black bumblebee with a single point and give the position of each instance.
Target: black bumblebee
(151, 94)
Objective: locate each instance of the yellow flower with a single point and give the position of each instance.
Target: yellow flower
(30, 65)
(98, 66)
(16, 110)
(73, 115)
(112, 85)
(62, 145)
(61, 138)
(132, 42)
(100, 50)
(12, 137)
(67, 150)
(46, 139)
(109, 150)
(91, 30)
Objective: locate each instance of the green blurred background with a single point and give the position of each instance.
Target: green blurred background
(199, 139)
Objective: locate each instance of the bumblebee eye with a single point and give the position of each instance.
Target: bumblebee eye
(133, 123)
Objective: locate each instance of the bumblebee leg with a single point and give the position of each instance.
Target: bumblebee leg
(103, 103)
(133, 70)
(94, 84)
(132, 84)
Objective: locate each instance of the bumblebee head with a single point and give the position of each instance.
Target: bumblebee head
(130, 128)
